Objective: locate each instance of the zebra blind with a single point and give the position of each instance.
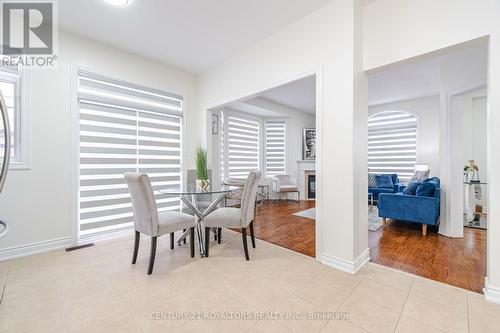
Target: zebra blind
(242, 153)
(275, 132)
(124, 128)
(392, 143)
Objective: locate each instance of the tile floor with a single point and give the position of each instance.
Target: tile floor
(97, 290)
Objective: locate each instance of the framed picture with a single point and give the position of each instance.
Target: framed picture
(309, 144)
(215, 124)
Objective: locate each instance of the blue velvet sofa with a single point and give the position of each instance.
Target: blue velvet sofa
(378, 190)
(412, 208)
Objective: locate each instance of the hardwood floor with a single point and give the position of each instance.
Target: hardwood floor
(275, 223)
(459, 262)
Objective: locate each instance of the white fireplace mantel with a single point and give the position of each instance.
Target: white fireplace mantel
(304, 168)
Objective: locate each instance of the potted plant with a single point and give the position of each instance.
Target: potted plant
(471, 172)
(202, 181)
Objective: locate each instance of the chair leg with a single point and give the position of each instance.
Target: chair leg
(184, 230)
(136, 246)
(219, 235)
(245, 245)
(172, 241)
(252, 235)
(215, 236)
(207, 241)
(152, 255)
(191, 241)
(384, 221)
(424, 229)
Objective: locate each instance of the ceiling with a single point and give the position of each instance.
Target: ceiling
(299, 95)
(193, 35)
(423, 78)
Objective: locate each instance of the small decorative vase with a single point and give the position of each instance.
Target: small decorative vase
(202, 184)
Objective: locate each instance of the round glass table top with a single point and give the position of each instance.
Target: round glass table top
(192, 190)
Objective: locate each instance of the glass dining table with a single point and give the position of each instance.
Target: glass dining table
(190, 196)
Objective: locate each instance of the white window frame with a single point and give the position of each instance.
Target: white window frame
(76, 238)
(418, 129)
(262, 137)
(22, 129)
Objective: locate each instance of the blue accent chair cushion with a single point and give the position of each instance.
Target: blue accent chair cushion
(411, 189)
(426, 189)
(384, 181)
(412, 208)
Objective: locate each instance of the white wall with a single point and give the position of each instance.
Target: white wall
(36, 202)
(430, 26)
(427, 111)
(328, 42)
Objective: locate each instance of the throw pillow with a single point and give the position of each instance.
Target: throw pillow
(411, 189)
(426, 190)
(384, 181)
(419, 176)
(372, 181)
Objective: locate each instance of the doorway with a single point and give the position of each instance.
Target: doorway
(274, 131)
(419, 114)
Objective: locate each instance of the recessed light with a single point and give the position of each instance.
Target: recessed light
(118, 3)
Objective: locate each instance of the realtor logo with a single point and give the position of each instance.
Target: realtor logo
(28, 32)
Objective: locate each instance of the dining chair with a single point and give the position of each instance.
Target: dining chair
(149, 221)
(230, 217)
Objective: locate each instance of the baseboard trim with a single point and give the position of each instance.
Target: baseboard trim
(491, 294)
(34, 248)
(345, 266)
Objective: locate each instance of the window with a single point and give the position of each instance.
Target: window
(10, 86)
(240, 143)
(124, 128)
(392, 143)
(275, 147)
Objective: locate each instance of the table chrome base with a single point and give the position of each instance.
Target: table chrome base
(200, 217)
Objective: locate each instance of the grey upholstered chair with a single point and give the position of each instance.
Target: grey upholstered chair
(229, 217)
(284, 184)
(148, 221)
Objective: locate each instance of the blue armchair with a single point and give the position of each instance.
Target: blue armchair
(378, 190)
(411, 208)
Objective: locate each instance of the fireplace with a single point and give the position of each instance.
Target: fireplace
(311, 186)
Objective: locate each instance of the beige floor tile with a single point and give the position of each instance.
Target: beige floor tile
(27, 282)
(483, 323)
(477, 304)
(268, 326)
(263, 295)
(440, 293)
(234, 318)
(328, 297)
(390, 278)
(297, 305)
(341, 326)
(19, 300)
(336, 278)
(41, 317)
(370, 316)
(436, 315)
(408, 325)
(380, 294)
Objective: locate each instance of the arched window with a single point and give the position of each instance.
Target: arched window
(392, 143)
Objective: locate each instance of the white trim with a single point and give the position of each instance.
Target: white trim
(491, 294)
(346, 266)
(34, 248)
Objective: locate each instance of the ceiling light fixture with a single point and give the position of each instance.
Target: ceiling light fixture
(118, 3)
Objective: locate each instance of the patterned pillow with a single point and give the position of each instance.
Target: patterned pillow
(420, 176)
(372, 181)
